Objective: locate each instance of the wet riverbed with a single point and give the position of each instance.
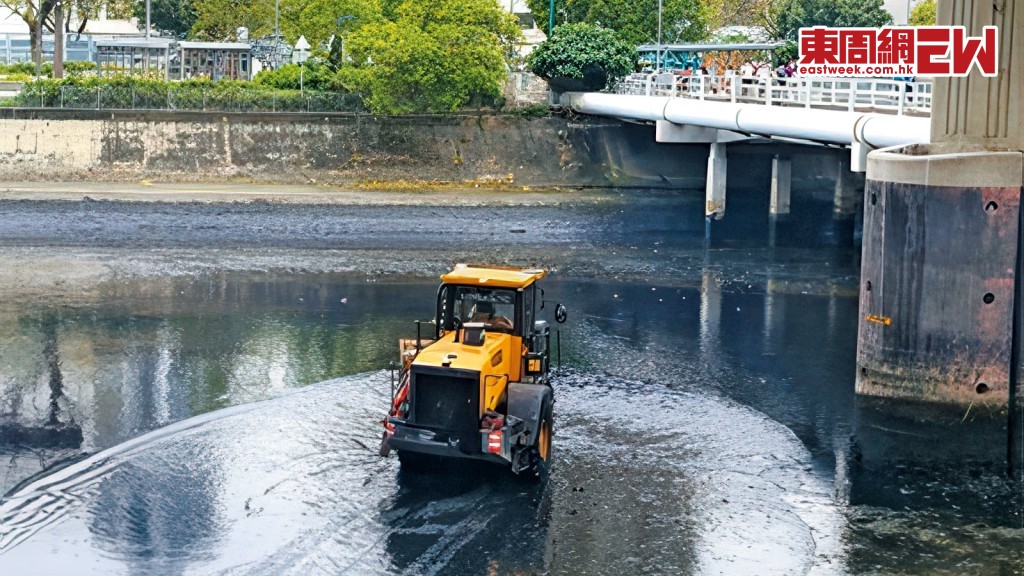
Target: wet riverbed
(218, 413)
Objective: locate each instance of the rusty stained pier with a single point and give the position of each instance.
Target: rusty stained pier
(941, 295)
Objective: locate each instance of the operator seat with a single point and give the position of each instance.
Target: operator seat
(484, 312)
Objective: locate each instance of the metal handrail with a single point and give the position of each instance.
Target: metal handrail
(852, 94)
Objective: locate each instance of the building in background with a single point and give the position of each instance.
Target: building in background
(532, 34)
(900, 9)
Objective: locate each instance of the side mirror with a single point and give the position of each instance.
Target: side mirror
(561, 314)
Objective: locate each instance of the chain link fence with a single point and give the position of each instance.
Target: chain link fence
(185, 97)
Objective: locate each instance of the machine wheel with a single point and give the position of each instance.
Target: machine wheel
(541, 452)
(413, 460)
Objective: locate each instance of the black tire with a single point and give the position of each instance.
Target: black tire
(414, 460)
(540, 453)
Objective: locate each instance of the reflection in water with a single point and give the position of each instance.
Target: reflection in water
(162, 351)
(28, 426)
(159, 517)
(669, 456)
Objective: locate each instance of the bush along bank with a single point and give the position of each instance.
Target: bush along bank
(134, 92)
(25, 71)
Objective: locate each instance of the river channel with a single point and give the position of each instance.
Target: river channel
(200, 392)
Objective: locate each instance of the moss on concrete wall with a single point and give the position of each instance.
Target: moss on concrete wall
(342, 149)
(338, 149)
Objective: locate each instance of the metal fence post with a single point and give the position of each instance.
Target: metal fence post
(169, 105)
(768, 81)
(903, 97)
(807, 91)
(851, 97)
(62, 96)
(97, 97)
(133, 99)
(734, 85)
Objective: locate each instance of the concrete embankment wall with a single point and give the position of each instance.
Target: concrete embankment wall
(341, 149)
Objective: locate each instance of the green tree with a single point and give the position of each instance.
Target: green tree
(593, 56)
(923, 14)
(435, 56)
(791, 15)
(318, 20)
(566, 11)
(219, 20)
(36, 12)
(175, 17)
(722, 13)
(635, 21)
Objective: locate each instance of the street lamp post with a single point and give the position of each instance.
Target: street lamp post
(551, 18)
(301, 53)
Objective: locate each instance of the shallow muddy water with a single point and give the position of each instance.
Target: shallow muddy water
(197, 404)
(233, 419)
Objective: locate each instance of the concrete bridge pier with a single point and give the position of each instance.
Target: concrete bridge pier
(846, 200)
(781, 188)
(714, 194)
(941, 298)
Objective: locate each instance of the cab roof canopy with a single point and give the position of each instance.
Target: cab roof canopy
(493, 276)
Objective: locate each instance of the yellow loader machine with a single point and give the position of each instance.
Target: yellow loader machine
(480, 389)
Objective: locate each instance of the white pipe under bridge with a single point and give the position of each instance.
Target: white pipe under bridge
(858, 114)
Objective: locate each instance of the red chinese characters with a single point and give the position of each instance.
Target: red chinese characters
(924, 50)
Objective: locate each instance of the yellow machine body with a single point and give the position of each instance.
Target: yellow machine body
(499, 360)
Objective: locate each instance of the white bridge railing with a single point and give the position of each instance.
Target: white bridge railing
(852, 94)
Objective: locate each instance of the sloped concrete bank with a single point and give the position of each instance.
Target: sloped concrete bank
(96, 145)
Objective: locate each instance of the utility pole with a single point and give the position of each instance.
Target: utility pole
(658, 67)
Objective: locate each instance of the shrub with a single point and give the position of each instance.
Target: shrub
(15, 77)
(582, 56)
(317, 76)
(18, 69)
(128, 92)
(27, 69)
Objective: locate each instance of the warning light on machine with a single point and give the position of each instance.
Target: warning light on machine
(494, 442)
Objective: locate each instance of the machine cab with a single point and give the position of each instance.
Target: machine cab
(476, 301)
